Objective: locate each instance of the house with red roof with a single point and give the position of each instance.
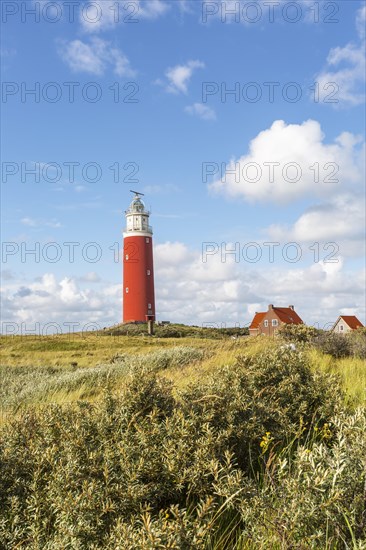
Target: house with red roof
(268, 322)
(346, 323)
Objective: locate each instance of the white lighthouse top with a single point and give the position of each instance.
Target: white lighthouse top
(137, 218)
(137, 206)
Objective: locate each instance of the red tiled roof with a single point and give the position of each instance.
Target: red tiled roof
(351, 321)
(258, 317)
(288, 315)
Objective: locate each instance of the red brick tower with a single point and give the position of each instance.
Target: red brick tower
(138, 268)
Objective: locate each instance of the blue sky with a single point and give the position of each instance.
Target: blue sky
(171, 126)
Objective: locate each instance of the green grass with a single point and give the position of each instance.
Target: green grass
(351, 370)
(86, 350)
(67, 368)
(35, 385)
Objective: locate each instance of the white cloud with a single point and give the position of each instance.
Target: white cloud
(346, 69)
(7, 275)
(90, 277)
(101, 15)
(361, 22)
(306, 165)
(150, 9)
(47, 300)
(201, 110)
(31, 222)
(185, 6)
(179, 76)
(189, 290)
(95, 57)
(341, 220)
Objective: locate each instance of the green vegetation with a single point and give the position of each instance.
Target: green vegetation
(177, 331)
(183, 443)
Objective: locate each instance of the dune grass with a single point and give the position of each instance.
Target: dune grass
(351, 370)
(67, 368)
(86, 349)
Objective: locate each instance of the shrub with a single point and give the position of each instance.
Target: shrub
(273, 393)
(297, 333)
(260, 455)
(336, 345)
(313, 498)
(357, 339)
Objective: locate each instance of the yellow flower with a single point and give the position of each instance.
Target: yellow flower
(265, 442)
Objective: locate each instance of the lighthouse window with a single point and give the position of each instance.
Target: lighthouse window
(127, 256)
(147, 239)
(148, 306)
(148, 271)
(126, 290)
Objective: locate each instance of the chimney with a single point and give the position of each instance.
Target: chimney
(270, 306)
(292, 307)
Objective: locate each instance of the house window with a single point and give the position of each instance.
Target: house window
(147, 239)
(266, 323)
(274, 322)
(148, 271)
(340, 327)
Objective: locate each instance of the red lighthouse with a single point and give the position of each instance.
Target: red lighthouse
(138, 268)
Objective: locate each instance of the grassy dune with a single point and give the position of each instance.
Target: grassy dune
(86, 350)
(188, 443)
(65, 368)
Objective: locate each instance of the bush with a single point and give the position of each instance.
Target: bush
(313, 498)
(336, 345)
(297, 333)
(177, 331)
(272, 393)
(260, 455)
(357, 339)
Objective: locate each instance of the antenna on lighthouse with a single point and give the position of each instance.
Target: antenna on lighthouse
(137, 193)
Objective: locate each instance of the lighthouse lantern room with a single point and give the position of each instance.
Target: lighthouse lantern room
(138, 268)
